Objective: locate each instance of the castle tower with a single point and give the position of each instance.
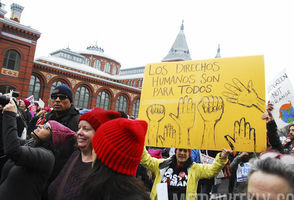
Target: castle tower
(179, 51)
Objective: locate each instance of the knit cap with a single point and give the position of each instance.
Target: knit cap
(98, 116)
(63, 89)
(27, 102)
(119, 144)
(155, 153)
(60, 133)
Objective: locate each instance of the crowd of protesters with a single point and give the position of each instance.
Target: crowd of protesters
(61, 153)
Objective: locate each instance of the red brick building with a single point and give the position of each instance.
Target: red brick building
(95, 78)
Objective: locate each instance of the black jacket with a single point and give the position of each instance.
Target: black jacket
(25, 174)
(70, 118)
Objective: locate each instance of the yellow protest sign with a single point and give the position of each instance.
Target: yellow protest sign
(206, 104)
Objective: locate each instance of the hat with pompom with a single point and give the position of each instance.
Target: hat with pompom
(119, 144)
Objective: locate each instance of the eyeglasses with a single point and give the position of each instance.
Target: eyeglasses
(47, 126)
(60, 96)
(285, 158)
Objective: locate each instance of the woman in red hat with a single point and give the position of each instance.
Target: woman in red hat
(67, 184)
(117, 149)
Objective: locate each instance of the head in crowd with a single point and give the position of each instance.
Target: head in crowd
(52, 134)
(270, 178)
(89, 123)
(62, 98)
(118, 145)
(291, 131)
(47, 109)
(182, 155)
(24, 104)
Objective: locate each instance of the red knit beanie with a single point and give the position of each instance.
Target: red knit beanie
(98, 116)
(119, 144)
(27, 102)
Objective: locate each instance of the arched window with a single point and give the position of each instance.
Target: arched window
(107, 67)
(140, 83)
(87, 61)
(97, 64)
(35, 87)
(103, 100)
(136, 108)
(11, 60)
(82, 98)
(6, 89)
(121, 104)
(54, 85)
(114, 70)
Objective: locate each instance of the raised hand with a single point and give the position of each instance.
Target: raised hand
(240, 94)
(185, 117)
(243, 137)
(211, 109)
(155, 114)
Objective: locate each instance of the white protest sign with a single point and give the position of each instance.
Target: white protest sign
(41, 103)
(205, 159)
(30, 99)
(161, 189)
(281, 94)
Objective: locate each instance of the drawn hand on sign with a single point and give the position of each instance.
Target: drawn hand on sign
(243, 137)
(185, 117)
(155, 114)
(169, 134)
(211, 109)
(246, 96)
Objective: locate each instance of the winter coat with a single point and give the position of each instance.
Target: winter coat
(25, 174)
(195, 172)
(70, 119)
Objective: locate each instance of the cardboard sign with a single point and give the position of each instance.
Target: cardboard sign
(206, 104)
(281, 95)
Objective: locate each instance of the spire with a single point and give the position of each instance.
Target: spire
(179, 51)
(182, 26)
(218, 52)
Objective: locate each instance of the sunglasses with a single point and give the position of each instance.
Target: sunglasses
(285, 158)
(60, 96)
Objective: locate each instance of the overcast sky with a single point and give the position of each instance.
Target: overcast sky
(137, 32)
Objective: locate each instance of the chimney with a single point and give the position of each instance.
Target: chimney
(2, 10)
(16, 11)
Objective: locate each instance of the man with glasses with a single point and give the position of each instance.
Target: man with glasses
(63, 110)
(66, 114)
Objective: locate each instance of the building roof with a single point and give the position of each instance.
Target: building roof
(179, 50)
(84, 68)
(18, 25)
(133, 70)
(96, 51)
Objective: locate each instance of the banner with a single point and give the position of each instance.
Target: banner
(207, 104)
(281, 95)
